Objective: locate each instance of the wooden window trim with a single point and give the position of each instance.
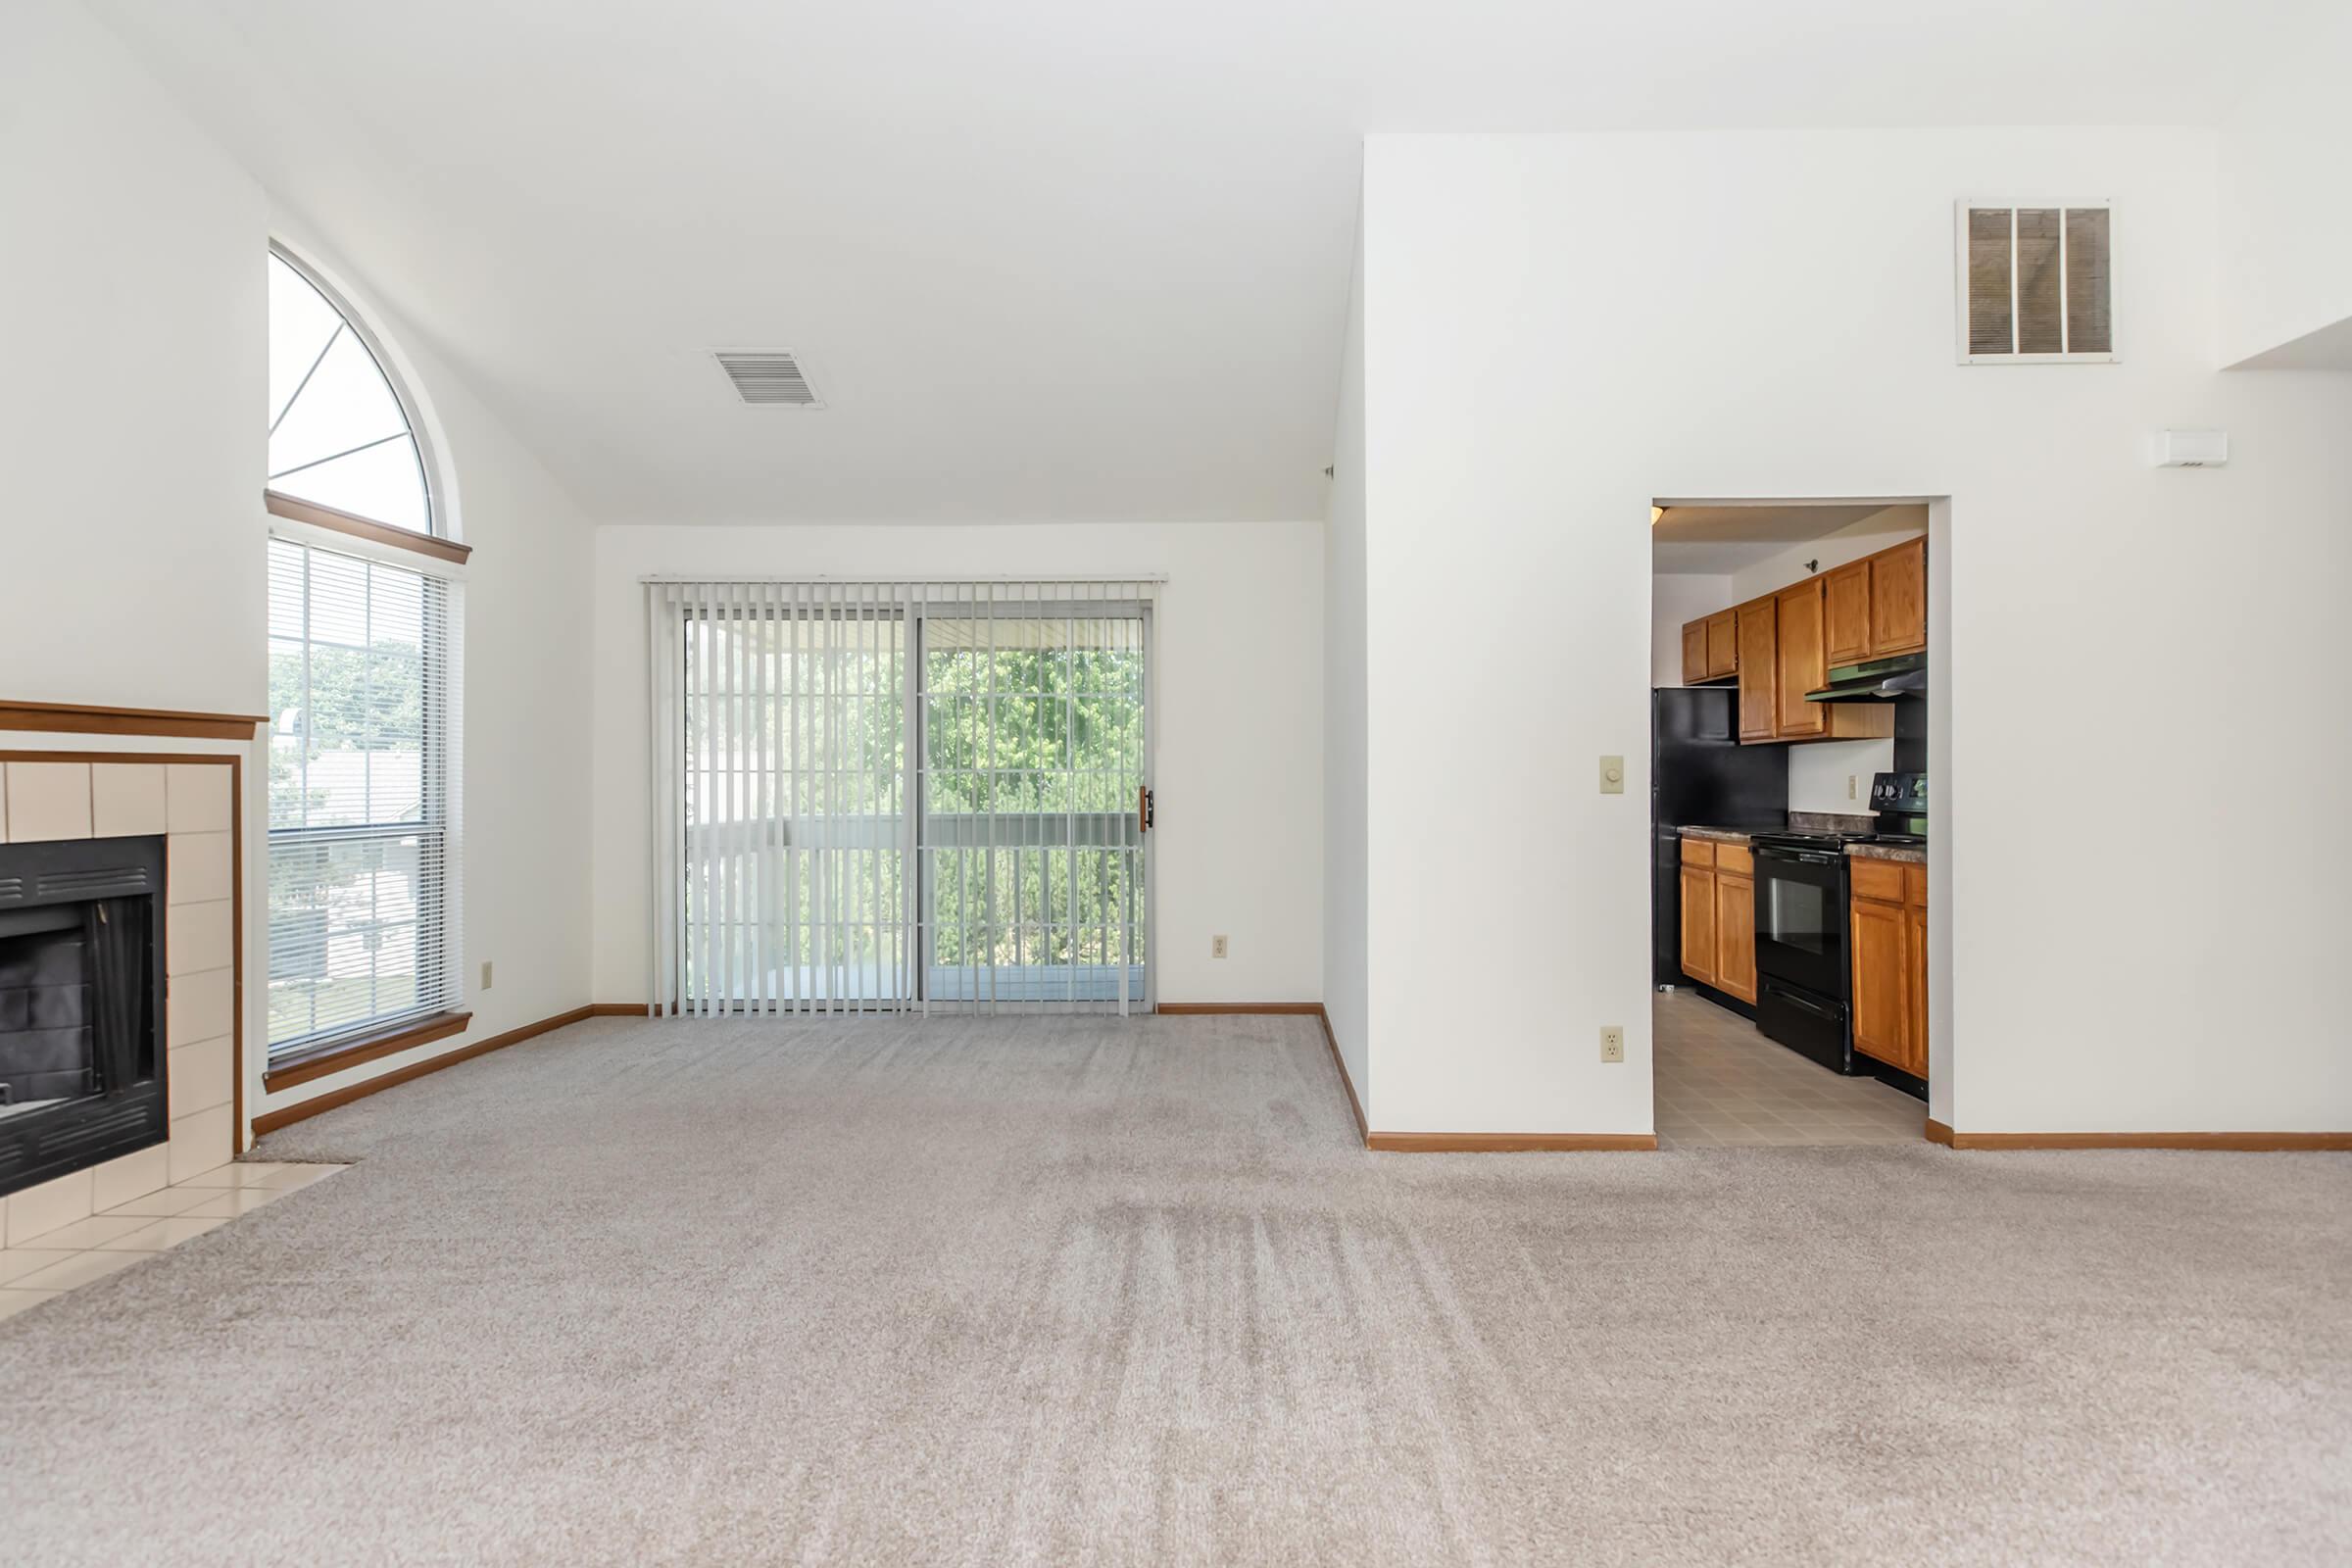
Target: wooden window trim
(359, 528)
(353, 1050)
(78, 718)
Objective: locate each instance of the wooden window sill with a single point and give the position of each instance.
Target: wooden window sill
(368, 529)
(353, 1050)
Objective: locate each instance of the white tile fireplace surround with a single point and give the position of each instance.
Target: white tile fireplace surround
(193, 802)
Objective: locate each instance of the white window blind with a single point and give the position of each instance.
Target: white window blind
(885, 797)
(363, 690)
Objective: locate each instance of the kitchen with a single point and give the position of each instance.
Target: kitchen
(1789, 812)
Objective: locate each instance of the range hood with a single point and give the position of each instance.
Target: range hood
(1881, 680)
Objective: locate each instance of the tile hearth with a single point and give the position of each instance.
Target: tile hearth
(54, 1262)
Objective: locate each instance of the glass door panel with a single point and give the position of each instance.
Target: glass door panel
(1031, 847)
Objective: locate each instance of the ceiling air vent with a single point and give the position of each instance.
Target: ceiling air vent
(2036, 285)
(769, 377)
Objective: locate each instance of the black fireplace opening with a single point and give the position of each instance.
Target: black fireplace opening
(82, 993)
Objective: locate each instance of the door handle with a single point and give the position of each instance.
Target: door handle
(1142, 808)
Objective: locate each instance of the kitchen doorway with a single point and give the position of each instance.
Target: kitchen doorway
(1791, 707)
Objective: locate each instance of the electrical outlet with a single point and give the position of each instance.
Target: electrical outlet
(1612, 1042)
(1849, 786)
(485, 974)
(1217, 947)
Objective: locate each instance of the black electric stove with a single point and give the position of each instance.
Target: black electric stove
(1804, 962)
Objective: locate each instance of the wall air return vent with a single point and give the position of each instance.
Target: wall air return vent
(769, 377)
(2036, 284)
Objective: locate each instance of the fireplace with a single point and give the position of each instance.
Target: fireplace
(82, 991)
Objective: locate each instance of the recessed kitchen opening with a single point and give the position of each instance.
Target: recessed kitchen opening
(1789, 784)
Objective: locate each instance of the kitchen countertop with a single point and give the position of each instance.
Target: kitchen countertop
(1908, 854)
(1715, 835)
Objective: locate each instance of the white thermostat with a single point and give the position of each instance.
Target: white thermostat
(2190, 449)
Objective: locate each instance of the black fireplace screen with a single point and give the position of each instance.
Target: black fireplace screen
(81, 985)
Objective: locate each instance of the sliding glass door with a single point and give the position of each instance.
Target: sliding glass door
(1031, 846)
(894, 797)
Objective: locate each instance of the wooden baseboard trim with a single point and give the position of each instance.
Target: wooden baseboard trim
(80, 718)
(620, 1010)
(270, 1121)
(2227, 1143)
(1339, 1065)
(342, 1055)
(1183, 1009)
(1508, 1143)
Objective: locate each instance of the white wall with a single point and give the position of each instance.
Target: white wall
(133, 385)
(2126, 1005)
(1238, 635)
(2286, 214)
(1674, 600)
(132, 398)
(1345, 714)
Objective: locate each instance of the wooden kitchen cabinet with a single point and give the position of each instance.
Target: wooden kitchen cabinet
(1888, 926)
(1723, 644)
(1710, 647)
(1783, 645)
(1699, 920)
(1898, 599)
(1845, 613)
(1758, 638)
(1735, 922)
(1719, 916)
(1801, 663)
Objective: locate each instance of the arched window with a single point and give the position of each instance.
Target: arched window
(365, 615)
(340, 434)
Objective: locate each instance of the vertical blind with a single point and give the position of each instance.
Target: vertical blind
(362, 826)
(895, 796)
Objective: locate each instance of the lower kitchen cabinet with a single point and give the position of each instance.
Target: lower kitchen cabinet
(1699, 922)
(1719, 916)
(1734, 923)
(1888, 927)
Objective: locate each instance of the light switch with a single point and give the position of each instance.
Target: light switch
(1612, 775)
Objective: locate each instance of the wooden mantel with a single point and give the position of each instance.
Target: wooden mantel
(78, 718)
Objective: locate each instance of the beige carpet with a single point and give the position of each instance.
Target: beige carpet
(1027, 1290)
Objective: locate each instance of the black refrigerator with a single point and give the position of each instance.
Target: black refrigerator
(1700, 775)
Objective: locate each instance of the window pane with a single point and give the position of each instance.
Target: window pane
(383, 483)
(338, 435)
(2038, 282)
(1988, 313)
(2091, 327)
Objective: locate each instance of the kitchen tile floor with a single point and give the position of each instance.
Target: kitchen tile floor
(54, 1262)
(1720, 1083)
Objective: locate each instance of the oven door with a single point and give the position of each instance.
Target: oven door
(1800, 918)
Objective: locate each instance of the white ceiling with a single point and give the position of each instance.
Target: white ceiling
(1712, 541)
(1046, 259)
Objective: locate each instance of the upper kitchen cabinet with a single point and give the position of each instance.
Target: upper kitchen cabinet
(1759, 671)
(1899, 601)
(1695, 653)
(1845, 613)
(1723, 644)
(1711, 648)
(1802, 662)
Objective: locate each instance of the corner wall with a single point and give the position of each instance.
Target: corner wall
(1347, 717)
(1515, 435)
(1239, 770)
